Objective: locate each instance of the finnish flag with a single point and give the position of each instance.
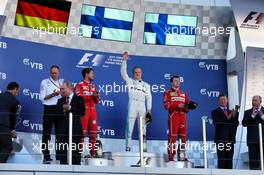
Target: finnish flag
(164, 29)
(106, 23)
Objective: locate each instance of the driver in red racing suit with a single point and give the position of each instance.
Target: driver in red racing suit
(88, 91)
(174, 101)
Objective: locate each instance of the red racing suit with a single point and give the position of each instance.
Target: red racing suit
(89, 121)
(174, 101)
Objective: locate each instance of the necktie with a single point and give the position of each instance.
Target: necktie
(67, 100)
(226, 112)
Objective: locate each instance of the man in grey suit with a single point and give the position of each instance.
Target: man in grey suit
(8, 110)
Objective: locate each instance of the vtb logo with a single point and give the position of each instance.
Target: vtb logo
(2, 75)
(168, 76)
(90, 60)
(256, 16)
(209, 93)
(32, 95)
(3, 45)
(33, 126)
(212, 67)
(33, 65)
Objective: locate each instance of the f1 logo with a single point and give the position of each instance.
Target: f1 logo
(91, 59)
(85, 58)
(252, 15)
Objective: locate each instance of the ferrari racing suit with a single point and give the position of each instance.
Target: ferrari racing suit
(89, 121)
(174, 101)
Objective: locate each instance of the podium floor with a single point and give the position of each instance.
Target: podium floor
(27, 169)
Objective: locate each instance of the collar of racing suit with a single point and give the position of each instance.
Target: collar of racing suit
(87, 82)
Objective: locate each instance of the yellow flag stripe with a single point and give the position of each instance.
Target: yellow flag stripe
(41, 24)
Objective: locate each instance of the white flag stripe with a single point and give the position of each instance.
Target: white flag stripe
(152, 18)
(88, 10)
(123, 15)
(182, 40)
(116, 34)
(182, 20)
(86, 30)
(149, 38)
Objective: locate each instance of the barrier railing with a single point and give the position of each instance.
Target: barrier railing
(115, 144)
(70, 140)
(261, 145)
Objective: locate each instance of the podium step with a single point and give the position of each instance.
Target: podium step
(180, 164)
(99, 162)
(129, 159)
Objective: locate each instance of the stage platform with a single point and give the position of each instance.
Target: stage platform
(27, 169)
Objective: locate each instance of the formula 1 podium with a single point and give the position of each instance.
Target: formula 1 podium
(136, 159)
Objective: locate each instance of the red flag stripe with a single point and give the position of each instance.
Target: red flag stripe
(34, 10)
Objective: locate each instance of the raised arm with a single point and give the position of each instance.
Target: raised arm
(124, 68)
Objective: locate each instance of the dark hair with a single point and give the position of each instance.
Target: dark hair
(222, 95)
(68, 84)
(12, 86)
(172, 77)
(86, 71)
(136, 67)
(55, 66)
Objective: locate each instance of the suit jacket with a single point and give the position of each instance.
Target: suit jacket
(252, 126)
(225, 129)
(77, 109)
(8, 110)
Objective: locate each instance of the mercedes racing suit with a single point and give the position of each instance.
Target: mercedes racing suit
(89, 121)
(174, 101)
(140, 98)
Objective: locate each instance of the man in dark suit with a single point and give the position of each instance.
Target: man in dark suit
(70, 103)
(226, 122)
(8, 109)
(251, 120)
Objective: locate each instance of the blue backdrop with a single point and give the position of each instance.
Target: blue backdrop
(28, 63)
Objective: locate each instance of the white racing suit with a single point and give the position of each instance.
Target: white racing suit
(139, 95)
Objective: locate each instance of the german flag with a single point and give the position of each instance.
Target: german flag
(47, 15)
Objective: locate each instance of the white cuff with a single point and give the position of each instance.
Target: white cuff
(262, 117)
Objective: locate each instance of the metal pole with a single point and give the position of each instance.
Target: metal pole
(204, 118)
(261, 146)
(70, 140)
(141, 152)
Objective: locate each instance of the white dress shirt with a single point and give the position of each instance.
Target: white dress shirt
(47, 87)
(259, 109)
(70, 98)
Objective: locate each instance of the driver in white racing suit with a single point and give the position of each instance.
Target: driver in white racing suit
(140, 101)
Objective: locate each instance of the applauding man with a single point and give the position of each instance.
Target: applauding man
(251, 120)
(89, 121)
(226, 122)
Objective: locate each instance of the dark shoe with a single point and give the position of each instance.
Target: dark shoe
(47, 161)
(171, 159)
(145, 144)
(128, 149)
(88, 156)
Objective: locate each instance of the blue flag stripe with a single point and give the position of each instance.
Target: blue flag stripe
(157, 28)
(99, 21)
(102, 22)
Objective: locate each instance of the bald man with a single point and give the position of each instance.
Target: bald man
(251, 120)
